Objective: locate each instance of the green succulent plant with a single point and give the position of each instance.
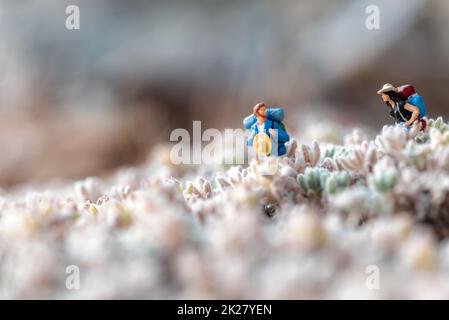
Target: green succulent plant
(438, 123)
(313, 180)
(336, 182)
(333, 151)
(383, 181)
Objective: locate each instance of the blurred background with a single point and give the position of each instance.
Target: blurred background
(85, 102)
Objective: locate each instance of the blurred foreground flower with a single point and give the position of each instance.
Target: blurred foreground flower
(306, 226)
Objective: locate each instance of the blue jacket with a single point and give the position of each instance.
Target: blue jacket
(417, 101)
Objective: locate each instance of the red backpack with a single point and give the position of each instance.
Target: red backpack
(406, 91)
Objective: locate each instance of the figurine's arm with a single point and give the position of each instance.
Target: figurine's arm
(249, 121)
(282, 136)
(415, 114)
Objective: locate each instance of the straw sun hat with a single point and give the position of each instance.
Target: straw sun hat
(387, 88)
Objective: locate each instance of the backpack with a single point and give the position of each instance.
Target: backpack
(408, 92)
(282, 126)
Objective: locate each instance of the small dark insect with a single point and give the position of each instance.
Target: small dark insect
(269, 209)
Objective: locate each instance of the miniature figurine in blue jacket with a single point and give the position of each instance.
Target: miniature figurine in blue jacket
(268, 121)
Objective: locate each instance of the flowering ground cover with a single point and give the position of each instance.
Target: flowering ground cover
(353, 216)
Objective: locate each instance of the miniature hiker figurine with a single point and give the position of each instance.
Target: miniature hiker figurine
(268, 134)
(406, 106)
